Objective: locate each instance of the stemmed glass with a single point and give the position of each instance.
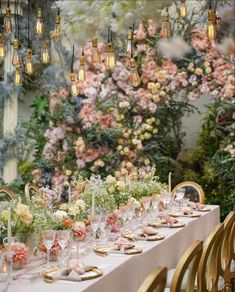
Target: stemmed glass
(155, 201)
(4, 274)
(63, 238)
(103, 222)
(95, 224)
(124, 210)
(146, 204)
(131, 213)
(48, 241)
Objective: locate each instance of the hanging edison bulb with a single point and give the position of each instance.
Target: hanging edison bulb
(73, 89)
(95, 52)
(39, 23)
(211, 26)
(165, 29)
(2, 46)
(45, 57)
(16, 60)
(134, 76)
(110, 60)
(29, 69)
(129, 47)
(57, 30)
(18, 76)
(183, 9)
(81, 72)
(8, 21)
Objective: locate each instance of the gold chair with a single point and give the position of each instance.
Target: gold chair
(182, 278)
(208, 278)
(232, 266)
(227, 263)
(31, 189)
(6, 194)
(155, 282)
(193, 191)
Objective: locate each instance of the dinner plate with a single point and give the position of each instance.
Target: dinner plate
(92, 273)
(142, 237)
(111, 249)
(165, 225)
(192, 215)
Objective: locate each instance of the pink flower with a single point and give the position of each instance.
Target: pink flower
(90, 92)
(140, 34)
(64, 92)
(20, 253)
(48, 151)
(79, 229)
(37, 174)
(115, 228)
(112, 218)
(142, 48)
(80, 163)
(152, 29)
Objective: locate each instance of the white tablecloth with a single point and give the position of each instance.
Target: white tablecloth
(125, 273)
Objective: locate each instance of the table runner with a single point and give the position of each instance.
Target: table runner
(126, 273)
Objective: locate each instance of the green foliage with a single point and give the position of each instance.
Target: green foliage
(211, 163)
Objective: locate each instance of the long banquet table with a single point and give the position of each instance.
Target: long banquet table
(126, 272)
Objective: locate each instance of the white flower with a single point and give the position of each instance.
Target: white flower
(60, 215)
(81, 204)
(124, 104)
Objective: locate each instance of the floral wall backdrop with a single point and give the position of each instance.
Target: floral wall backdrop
(115, 128)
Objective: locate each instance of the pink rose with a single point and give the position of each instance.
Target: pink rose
(79, 229)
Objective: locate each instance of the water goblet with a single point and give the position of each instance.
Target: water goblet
(155, 201)
(48, 241)
(124, 215)
(146, 201)
(5, 273)
(103, 222)
(63, 238)
(95, 224)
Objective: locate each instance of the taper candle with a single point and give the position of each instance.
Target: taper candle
(9, 235)
(169, 183)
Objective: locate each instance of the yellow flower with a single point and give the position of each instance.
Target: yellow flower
(111, 190)
(199, 71)
(147, 136)
(149, 95)
(206, 64)
(208, 70)
(64, 207)
(162, 93)
(155, 89)
(120, 185)
(155, 131)
(68, 172)
(27, 218)
(126, 150)
(150, 85)
(158, 85)
(4, 215)
(126, 135)
(135, 141)
(119, 148)
(124, 171)
(146, 161)
(129, 165)
(139, 146)
(111, 179)
(21, 209)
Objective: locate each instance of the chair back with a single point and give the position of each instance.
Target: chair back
(210, 262)
(188, 261)
(193, 191)
(30, 190)
(155, 282)
(6, 194)
(227, 250)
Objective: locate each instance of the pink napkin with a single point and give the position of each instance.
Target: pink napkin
(123, 243)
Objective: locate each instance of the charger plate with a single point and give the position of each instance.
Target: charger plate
(111, 249)
(90, 274)
(136, 236)
(165, 225)
(180, 214)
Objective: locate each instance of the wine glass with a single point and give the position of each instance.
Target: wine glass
(146, 201)
(95, 224)
(48, 241)
(124, 214)
(103, 222)
(5, 272)
(63, 238)
(155, 201)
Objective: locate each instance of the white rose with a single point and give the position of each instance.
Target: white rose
(21, 209)
(60, 215)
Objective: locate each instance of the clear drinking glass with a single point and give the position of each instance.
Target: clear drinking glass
(124, 210)
(95, 224)
(4, 273)
(63, 237)
(103, 222)
(48, 241)
(146, 201)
